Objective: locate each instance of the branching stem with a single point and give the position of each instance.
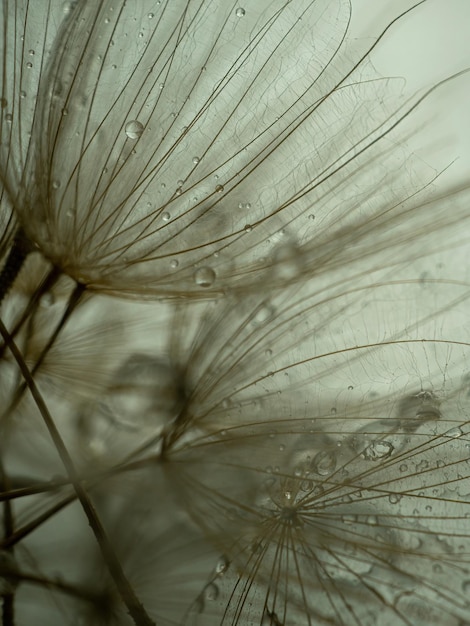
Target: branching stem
(133, 604)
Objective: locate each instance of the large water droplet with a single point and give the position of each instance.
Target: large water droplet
(240, 12)
(134, 129)
(378, 450)
(417, 409)
(204, 277)
(324, 463)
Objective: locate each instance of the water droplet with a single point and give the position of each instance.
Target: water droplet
(306, 485)
(196, 160)
(55, 184)
(454, 433)
(151, 16)
(222, 565)
(134, 129)
(248, 228)
(264, 313)
(22, 95)
(174, 263)
(219, 188)
(31, 52)
(378, 450)
(211, 592)
(166, 216)
(9, 117)
(29, 65)
(240, 12)
(324, 463)
(204, 277)
(419, 408)
(394, 498)
(47, 299)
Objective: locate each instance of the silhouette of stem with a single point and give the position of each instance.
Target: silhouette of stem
(19, 250)
(128, 596)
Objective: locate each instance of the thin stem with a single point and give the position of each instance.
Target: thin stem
(134, 606)
(19, 250)
(8, 613)
(47, 283)
(72, 303)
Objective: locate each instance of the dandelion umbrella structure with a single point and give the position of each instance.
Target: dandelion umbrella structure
(191, 154)
(333, 473)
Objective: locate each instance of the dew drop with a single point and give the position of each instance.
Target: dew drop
(166, 216)
(264, 313)
(211, 592)
(222, 565)
(378, 450)
(240, 12)
(55, 184)
(196, 160)
(47, 299)
(204, 277)
(248, 228)
(219, 188)
(174, 263)
(134, 129)
(394, 498)
(151, 16)
(454, 433)
(29, 65)
(324, 463)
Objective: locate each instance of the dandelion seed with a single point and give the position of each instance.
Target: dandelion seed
(269, 80)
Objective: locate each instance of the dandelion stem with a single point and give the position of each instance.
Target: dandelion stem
(73, 302)
(134, 606)
(19, 250)
(8, 529)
